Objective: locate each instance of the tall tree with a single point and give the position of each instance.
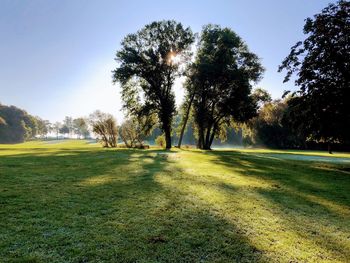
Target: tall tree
(221, 80)
(322, 65)
(151, 58)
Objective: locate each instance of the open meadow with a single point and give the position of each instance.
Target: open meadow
(74, 201)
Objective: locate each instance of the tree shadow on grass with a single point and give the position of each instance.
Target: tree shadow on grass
(331, 183)
(313, 202)
(109, 206)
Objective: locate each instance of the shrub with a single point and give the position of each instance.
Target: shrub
(160, 141)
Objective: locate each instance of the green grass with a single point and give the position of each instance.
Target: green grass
(77, 202)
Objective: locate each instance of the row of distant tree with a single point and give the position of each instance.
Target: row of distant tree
(17, 125)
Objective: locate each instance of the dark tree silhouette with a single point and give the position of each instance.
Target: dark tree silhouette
(220, 78)
(322, 66)
(151, 59)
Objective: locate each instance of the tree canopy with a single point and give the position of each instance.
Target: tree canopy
(322, 64)
(151, 60)
(220, 80)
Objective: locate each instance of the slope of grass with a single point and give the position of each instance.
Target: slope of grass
(76, 202)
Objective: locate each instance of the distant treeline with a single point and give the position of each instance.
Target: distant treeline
(16, 125)
(271, 128)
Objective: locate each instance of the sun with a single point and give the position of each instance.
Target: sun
(173, 58)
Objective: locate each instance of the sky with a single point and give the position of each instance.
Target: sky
(56, 56)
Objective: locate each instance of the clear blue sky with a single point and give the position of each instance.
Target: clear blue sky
(56, 56)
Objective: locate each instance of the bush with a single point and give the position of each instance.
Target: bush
(188, 146)
(142, 146)
(105, 127)
(160, 141)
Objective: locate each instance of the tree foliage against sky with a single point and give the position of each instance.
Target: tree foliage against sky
(151, 58)
(221, 80)
(322, 66)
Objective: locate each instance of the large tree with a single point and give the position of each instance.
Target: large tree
(152, 58)
(220, 81)
(322, 66)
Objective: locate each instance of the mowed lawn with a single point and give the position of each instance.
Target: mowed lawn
(77, 202)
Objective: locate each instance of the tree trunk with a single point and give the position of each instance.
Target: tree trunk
(330, 148)
(207, 137)
(167, 138)
(212, 137)
(200, 143)
(185, 121)
(208, 141)
(203, 142)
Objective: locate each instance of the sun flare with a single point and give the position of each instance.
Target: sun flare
(173, 58)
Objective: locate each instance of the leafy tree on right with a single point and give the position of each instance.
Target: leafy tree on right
(320, 108)
(220, 82)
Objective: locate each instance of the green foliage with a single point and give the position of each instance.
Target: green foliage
(134, 130)
(16, 125)
(160, 141)
(80, 127)
(322, 63)
(271, 128)
(261, 96)
(64, 129)
(43, 127)
(147, 65)
(220, 79)
(105, 127)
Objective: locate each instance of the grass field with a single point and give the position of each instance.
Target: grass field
(76, 202)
